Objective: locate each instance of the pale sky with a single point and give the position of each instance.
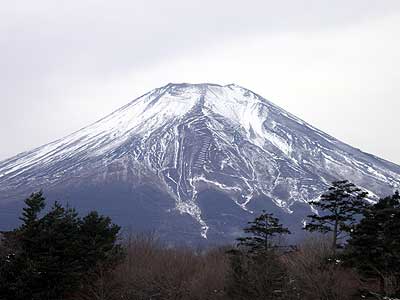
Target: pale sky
(333, 63)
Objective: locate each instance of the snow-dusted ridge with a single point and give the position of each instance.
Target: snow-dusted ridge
(188, 138)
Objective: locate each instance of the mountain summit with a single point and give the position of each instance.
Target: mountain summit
(192, 160)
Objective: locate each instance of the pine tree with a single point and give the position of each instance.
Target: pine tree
(339, 208)
(57, 253)
(256, 270)
(263, 233)
(54, 253)
(374, 245)
(34, 205)
(98, 238)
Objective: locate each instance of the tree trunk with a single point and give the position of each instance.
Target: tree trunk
(334, 239)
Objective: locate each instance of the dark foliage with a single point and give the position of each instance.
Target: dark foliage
(264, 233)
(47, 257)
(256, 269)
(339, 208)
(374, 246)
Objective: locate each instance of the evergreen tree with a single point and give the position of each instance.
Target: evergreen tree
(57, 253)
(52, 254)
(17, 269)
(256, 271)
(34, 205)
(374, 245)
(263, 233)
(98, 237)
(339, 208)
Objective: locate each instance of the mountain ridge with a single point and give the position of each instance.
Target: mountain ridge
(186, 139)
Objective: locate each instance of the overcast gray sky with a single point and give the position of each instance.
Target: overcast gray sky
(334, 63)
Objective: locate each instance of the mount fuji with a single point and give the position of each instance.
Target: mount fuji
(192, 162)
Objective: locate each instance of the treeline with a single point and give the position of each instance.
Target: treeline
(355, 255)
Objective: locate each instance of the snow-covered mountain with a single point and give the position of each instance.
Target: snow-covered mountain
(193, 159)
